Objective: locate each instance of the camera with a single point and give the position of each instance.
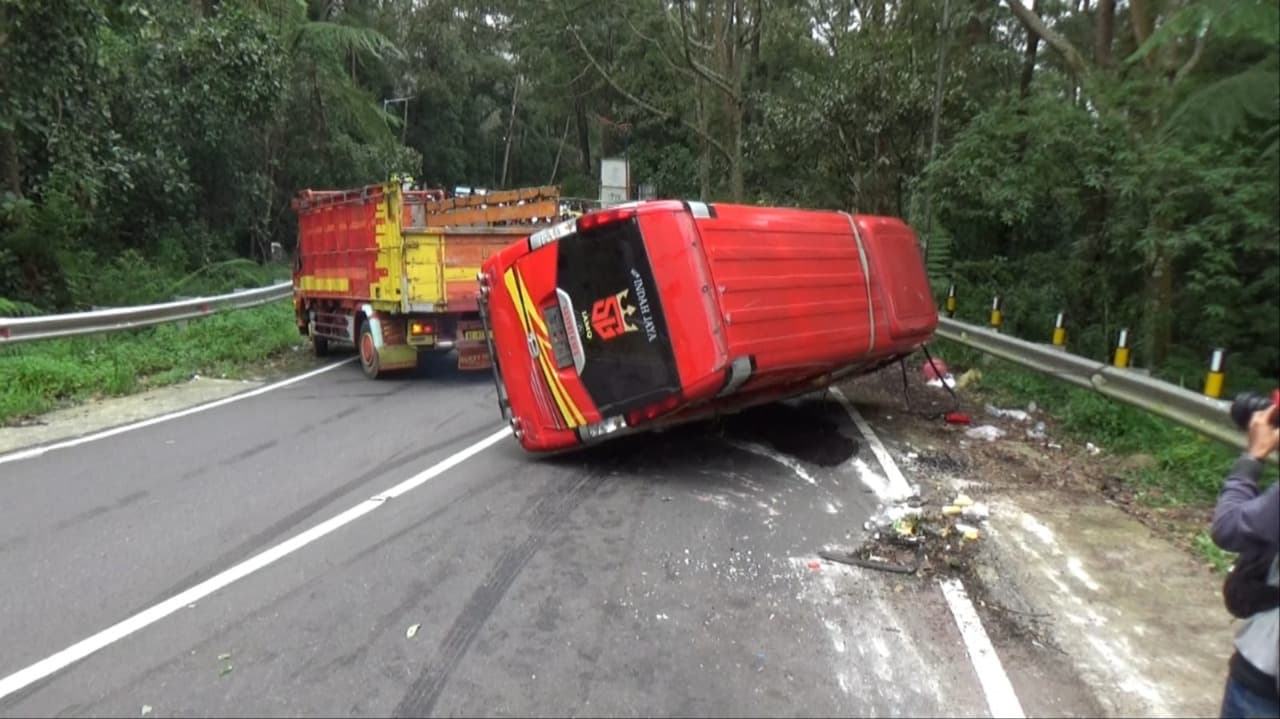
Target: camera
(1246, 403)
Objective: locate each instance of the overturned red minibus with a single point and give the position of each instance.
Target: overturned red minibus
(653, 314)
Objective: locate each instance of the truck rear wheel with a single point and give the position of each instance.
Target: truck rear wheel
(369, 360)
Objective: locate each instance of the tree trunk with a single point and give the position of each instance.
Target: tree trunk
(584, 135)
(1157, 325)
(704, 151)
(1104, 32)
(511, 126)
(1057, 41)
(555, 166)
(737, 187)
(1029, 55)
(10, 167)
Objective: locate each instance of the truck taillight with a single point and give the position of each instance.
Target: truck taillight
(605, 217)
(653, 411)
(419, 329)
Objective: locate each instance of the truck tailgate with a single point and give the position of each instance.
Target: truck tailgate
(441, 264)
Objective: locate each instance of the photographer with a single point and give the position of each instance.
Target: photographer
(1248, 522)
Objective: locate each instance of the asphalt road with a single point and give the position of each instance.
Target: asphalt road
(663, 574)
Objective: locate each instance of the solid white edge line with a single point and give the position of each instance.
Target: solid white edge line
(32, 452)
(74, 653)
(1002, 701)
(897, 483)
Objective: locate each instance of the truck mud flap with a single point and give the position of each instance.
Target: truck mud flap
(482, 302)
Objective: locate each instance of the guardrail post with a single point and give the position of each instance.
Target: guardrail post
(951, 300)
(996, 315)
(1122, 349)
(1059, 332)
(1216, 378)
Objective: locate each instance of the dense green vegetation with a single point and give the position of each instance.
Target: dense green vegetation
(1118, 161)
(41, 376)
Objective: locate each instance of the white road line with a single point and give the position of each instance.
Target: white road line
(74, 653)
(898, 487)
(1001, 699)
(38, 451)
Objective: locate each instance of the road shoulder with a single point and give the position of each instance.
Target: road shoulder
(1063, 570)
(106, 413)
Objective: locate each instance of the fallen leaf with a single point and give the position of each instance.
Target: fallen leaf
(412, 631)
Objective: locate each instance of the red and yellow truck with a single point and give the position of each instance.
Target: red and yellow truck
(659, 313)
(393, 271)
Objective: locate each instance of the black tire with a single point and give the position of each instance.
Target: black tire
(320, 345)
(369, 360)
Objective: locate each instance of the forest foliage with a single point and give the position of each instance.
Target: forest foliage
(1117, 161)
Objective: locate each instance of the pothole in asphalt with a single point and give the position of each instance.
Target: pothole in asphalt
(799, 430)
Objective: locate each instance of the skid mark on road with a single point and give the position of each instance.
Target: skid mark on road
(302, 514)
(546, 515)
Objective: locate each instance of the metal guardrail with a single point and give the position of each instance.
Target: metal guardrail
(1193, 410)
(27, 329)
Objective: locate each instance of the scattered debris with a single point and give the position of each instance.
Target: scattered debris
(1015, 414)
(957, 418)
(968, 378)
(1037, 432)
(935, 369)
(412, 632)
(1092, 448)
(224, 657)
(892, 517)
(226, 669)
(915, 538)
(146, 709)
(987, 432)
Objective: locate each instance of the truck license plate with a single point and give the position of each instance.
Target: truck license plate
(478, 360)
(476, 335)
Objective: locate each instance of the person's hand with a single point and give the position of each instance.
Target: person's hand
(1264, 438)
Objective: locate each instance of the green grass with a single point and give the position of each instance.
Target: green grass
(1220, 559)
(40, 376)
(1185, 468)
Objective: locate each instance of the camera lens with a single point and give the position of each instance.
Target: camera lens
(1245, 404)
